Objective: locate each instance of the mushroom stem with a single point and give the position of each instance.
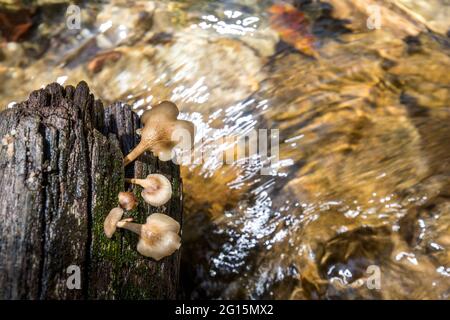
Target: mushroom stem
(135, 227)
(143, 145)
(142, 182)
(136, 152)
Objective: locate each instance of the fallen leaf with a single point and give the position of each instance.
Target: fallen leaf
(293, 27)
(97, 63)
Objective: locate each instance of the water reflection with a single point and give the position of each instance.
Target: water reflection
(362, 177)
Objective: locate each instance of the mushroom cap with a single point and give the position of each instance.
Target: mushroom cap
(183, 134)
(158, 190)
(110, 224)
(166, 136)
(127, 200)
(164, 154)
(159, 236)
(166, 245)
(163, 222)
(164, 111)
(163, 150)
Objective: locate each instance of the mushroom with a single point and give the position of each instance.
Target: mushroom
(157, 189)
(127, 200)
(158, 237)
(114, 216)
(162, 132)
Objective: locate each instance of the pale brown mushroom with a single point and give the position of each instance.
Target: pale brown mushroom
(114, 216)
(158, 237)
(162, 132)
(127, 200)
(157, 189)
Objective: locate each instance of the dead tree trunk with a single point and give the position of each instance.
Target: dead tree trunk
(60, 173)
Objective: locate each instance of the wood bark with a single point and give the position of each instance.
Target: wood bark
(60, 173)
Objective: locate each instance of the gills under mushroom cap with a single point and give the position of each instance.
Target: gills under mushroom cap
(157, 189)
(114, 216)
(158, 237)
(162, 132)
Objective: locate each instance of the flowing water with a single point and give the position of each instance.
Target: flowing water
(358, 90)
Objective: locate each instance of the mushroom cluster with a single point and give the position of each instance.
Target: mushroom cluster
(162, 131)
(158, 237)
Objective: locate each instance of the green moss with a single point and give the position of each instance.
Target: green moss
(176, 188)
(108, 182)
(120, 271)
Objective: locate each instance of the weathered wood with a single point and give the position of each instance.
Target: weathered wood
(60, 173)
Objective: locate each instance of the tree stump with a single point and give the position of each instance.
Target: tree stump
(60, 173)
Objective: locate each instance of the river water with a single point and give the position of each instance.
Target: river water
(355, 204)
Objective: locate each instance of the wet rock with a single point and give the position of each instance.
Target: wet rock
(122, 24)
(199, 80)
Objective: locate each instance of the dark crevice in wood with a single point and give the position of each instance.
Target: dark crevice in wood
(46, 156)
(87, 258)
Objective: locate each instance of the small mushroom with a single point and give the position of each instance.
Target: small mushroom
(157, 189)
(162, 132)
(158, 237)
(127, 200)
(114, 216)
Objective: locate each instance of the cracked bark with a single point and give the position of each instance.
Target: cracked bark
(60, 173)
